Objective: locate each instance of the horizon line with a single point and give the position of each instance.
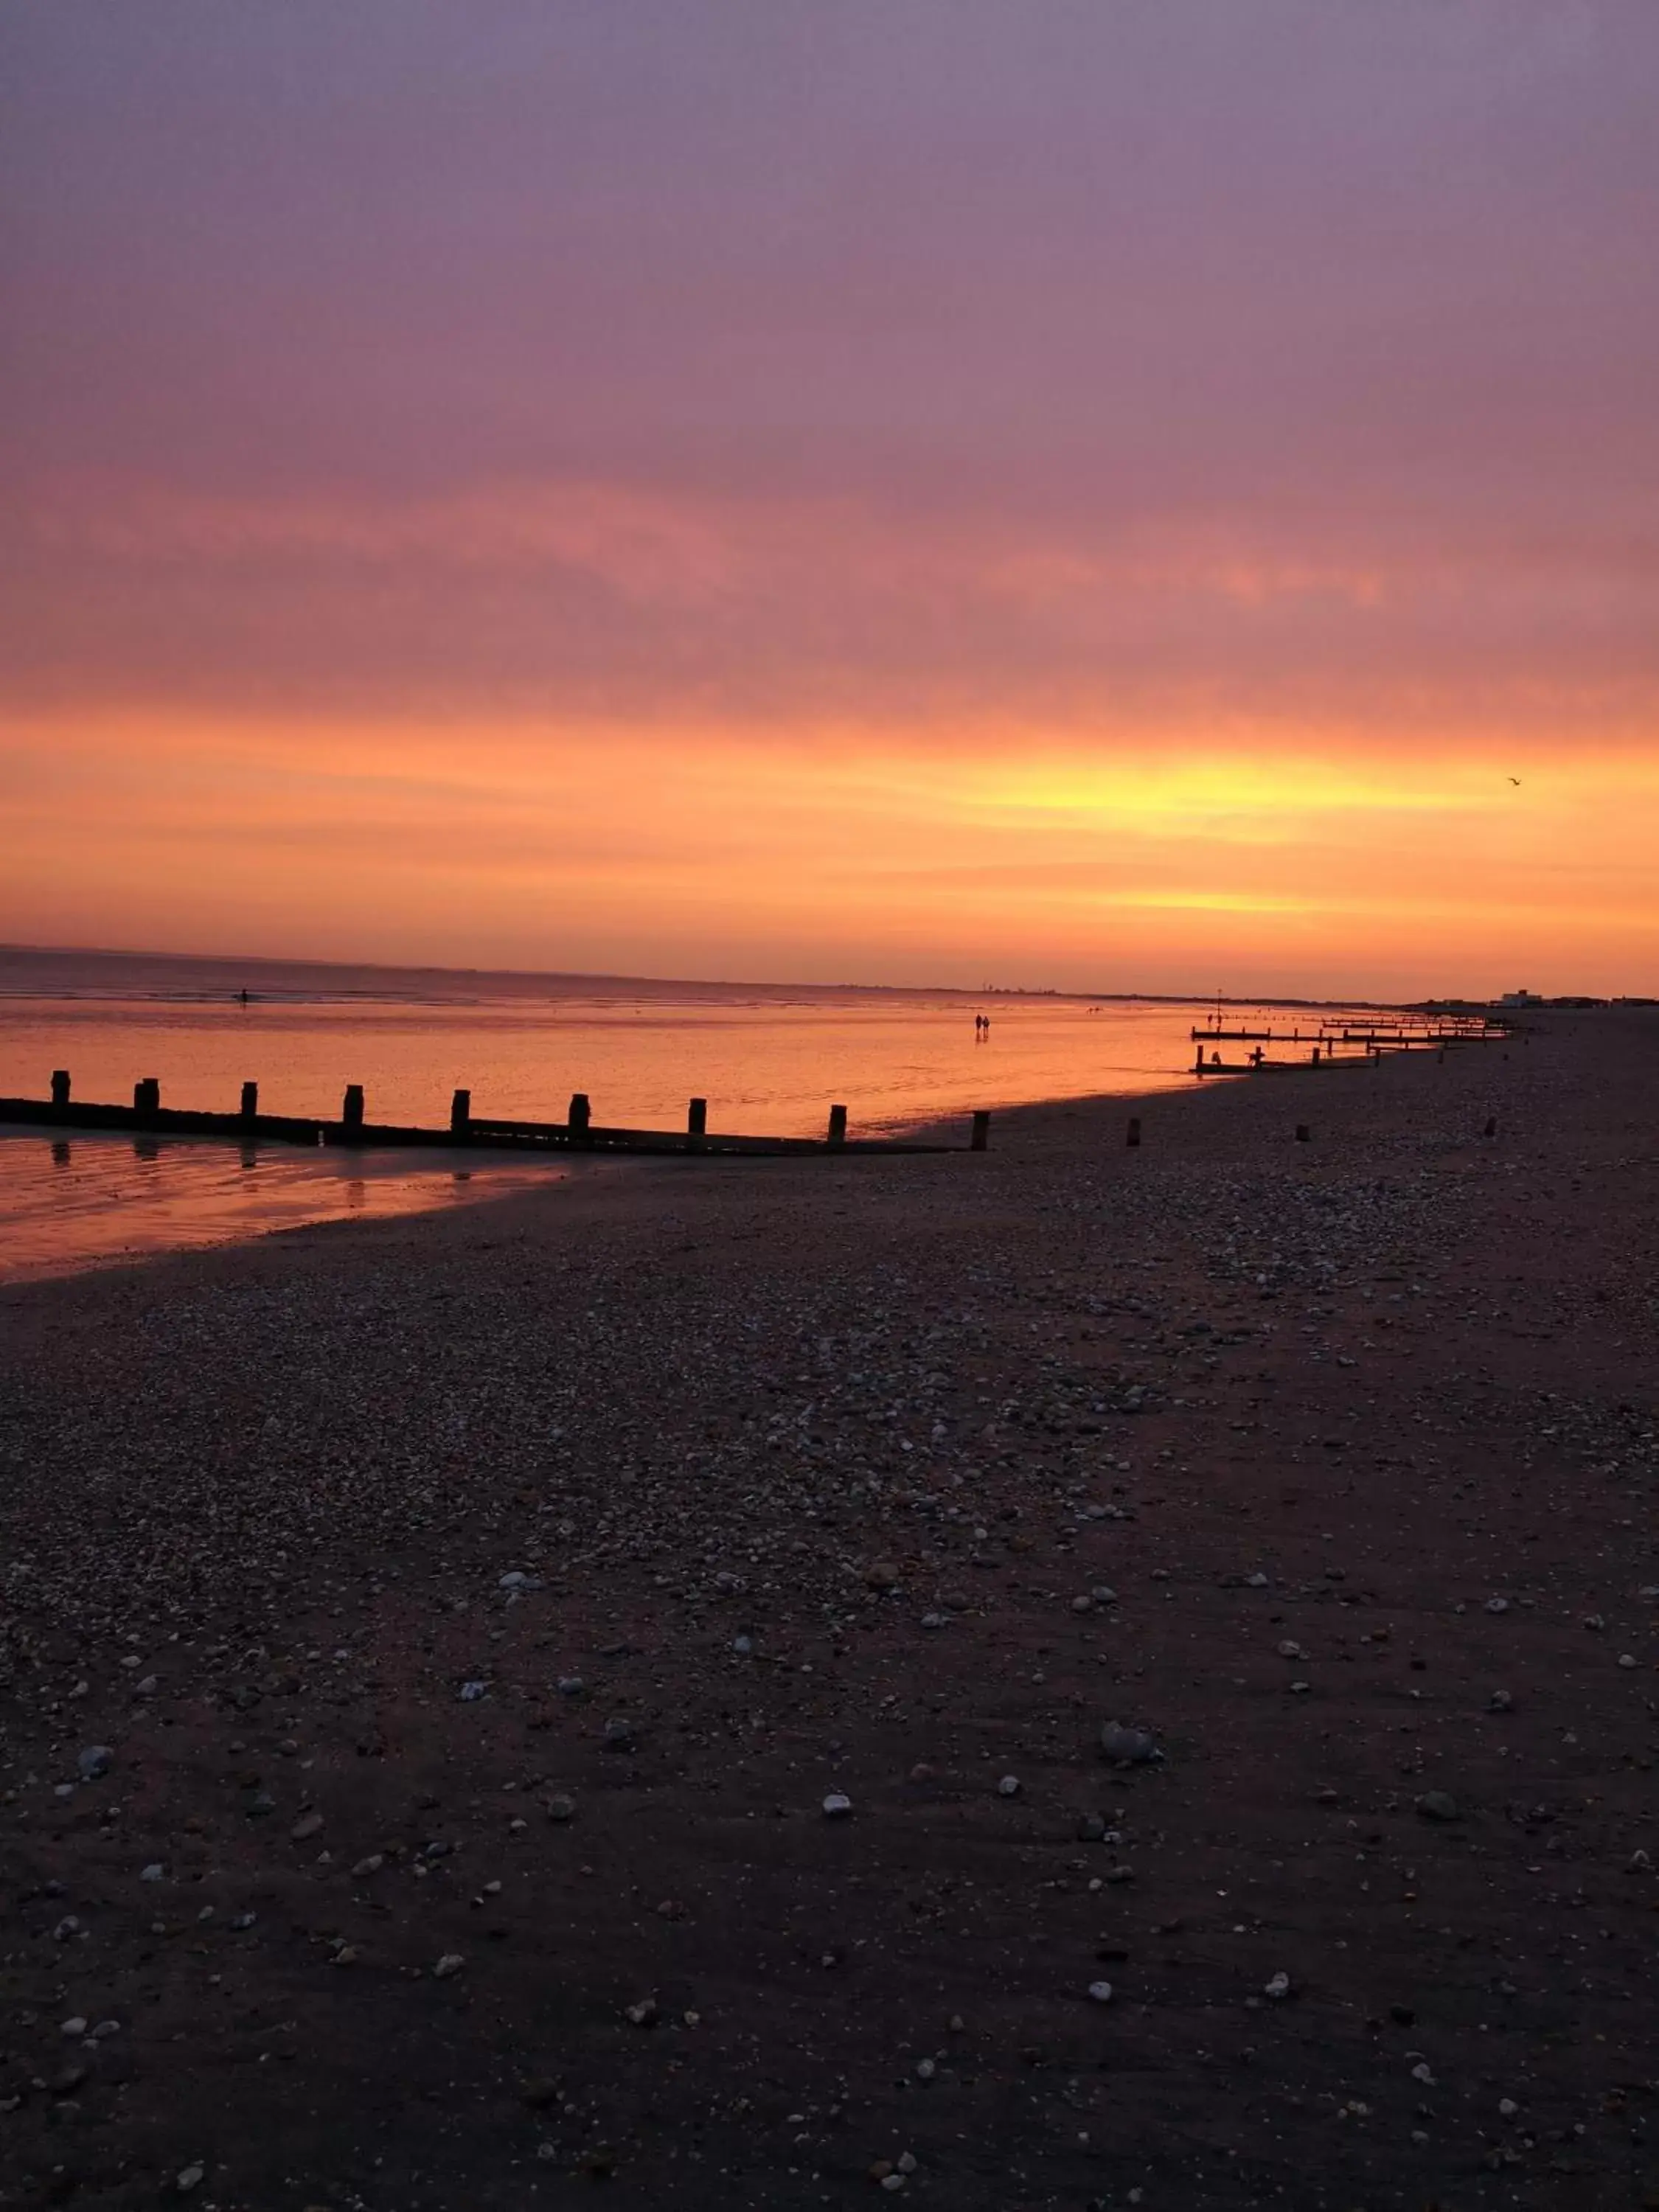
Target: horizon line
(742, 983)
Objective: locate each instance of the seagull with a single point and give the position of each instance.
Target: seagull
(1516, 781)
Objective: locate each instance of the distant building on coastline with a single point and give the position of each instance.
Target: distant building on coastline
(1520, 999)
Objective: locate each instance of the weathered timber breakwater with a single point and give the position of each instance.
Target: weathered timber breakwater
(578, 1132)
(1345, 1044)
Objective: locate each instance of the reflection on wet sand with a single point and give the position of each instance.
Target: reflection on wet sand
(67, 1205)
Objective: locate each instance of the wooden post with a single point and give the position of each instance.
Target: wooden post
(1133, 1138)
(250, 1101)
(837, 1125)
(697, 1124)
(461, 1117)
(1315, 1056)
(1303, 1134)
(147, 1097)
(60, 1087)
(981, 1139)
(580, 1119)
(351, 1111)
(1490, 1129)
(1198, 1062)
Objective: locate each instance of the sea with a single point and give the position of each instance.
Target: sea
(770, 1059)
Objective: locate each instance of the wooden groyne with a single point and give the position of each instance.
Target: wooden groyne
(1367, 1047)
(578, 1132)
(1393, 1035)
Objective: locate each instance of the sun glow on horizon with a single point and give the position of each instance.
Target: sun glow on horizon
(509, 845)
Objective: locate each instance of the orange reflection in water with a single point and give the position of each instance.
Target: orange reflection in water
(67, 1204)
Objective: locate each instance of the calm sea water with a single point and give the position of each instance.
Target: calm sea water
(770, 1060)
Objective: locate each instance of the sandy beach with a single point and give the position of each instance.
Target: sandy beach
(429, 1646)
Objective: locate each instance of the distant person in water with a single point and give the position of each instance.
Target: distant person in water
(242, 995)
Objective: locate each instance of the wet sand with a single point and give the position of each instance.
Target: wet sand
(72, 1201)
(1331, 1465)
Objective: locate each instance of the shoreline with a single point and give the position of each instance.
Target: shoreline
(806, 1472)
(395, 1167)
(388, 1167)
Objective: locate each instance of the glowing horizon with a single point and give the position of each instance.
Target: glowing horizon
(856, 498)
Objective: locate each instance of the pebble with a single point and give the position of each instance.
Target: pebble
(560, 1808)
(1437, 1805)
(1279, 1986)
(1507, 2107)
(1627, 1659)
(154, 1872)
(881, 1575)
(372, 1864)
(1500, 1702)
(571, 1686)
(190, 2178)
(836, 1807)
(471, 1692)
(73, 2026)
(308, 1825)
(619, 1735)
(95, 1762)
(1257, 1582)
(1128, 1747)
(1009, 1786)
(743, 1646)
(1103, 1594)
(1497, 1604)
(1083, 1604)
(451, 1963)
(926, 2070)
(1423, 2072)
(1100, 1992)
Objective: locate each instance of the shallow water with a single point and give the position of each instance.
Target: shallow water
(769, 1059)
(72, 1202)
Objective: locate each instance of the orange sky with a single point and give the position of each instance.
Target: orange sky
(1080, 503)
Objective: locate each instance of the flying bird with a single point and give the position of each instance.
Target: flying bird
(1516, 781)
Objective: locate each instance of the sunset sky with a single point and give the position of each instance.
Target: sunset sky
(1092, 493)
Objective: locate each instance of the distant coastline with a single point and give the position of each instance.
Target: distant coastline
(381, 979)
